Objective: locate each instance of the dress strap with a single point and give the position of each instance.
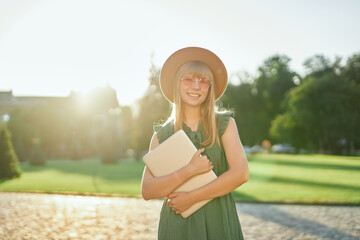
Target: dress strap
(164, 131)
(223, 118)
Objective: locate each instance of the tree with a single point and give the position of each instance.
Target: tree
(76, 150)
(9, 167)
(322, 114)
(111, 144)
(351, 70)
(153, 108)
(127, 127)
(241, 99)
(78, 121)
(21, 133)
(275, 80)
(257, 102)
(318, 65)
(87, 129)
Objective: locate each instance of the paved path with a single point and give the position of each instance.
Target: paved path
(41, 216)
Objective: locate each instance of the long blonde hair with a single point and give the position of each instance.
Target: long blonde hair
(208, 108)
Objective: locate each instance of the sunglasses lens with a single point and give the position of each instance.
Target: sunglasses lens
(188, 81)
(203, 82)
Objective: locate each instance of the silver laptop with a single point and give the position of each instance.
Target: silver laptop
(173, 154)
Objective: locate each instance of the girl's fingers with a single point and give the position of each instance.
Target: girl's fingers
(176, 211)
(198, 152)
(172, 195)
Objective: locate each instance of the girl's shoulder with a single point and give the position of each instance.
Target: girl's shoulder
(164, 131)
(223, 120)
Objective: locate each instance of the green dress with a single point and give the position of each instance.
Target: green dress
(218, 219)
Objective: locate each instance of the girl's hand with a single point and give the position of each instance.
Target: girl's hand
(179, 201)
(200, 164)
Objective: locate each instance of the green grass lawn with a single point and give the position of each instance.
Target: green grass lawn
(83, 176)
(273, 178)
(302, 178)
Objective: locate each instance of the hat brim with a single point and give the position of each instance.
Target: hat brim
(184, 55)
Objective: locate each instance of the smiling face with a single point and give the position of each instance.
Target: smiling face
(194, 89)
(194, 83)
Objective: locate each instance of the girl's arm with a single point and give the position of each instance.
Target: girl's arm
(160, 187)
(237, 174)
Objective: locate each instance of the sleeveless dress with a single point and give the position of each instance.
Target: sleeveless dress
(218, 219)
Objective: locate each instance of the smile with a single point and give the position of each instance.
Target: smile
(193, 95)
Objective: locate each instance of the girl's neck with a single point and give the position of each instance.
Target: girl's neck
(192, 116)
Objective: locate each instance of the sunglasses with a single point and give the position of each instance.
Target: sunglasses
(189, 81)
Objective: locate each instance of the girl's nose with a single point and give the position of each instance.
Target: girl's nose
(196, 84)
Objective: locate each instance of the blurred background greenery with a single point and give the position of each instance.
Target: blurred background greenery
(90, 143)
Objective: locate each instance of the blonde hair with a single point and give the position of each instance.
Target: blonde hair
(208, 109)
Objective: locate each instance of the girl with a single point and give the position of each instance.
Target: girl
(193, 79)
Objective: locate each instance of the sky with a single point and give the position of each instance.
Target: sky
(50, 48)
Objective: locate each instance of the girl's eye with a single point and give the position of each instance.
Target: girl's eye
(188, 81)
(205, 82)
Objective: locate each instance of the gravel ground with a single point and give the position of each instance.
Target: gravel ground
(42, 216)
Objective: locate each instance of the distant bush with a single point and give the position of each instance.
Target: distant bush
(109, 158)
(9, 166)
(109, 153)
(37, 156)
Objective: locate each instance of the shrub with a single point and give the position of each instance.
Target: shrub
(9, 166)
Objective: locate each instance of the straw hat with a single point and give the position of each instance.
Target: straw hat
(184, 55)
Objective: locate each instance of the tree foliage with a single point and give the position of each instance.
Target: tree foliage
(257, 102)
(9, 167)
(242, 100)
(71, 127)
(322, 114)
(351, 70)
(318, 111)
(153, 108)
